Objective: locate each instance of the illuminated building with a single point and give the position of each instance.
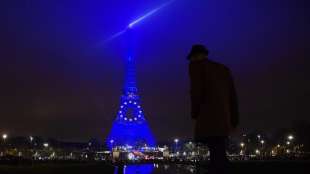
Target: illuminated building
(130, 127)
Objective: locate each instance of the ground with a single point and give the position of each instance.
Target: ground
(275, 167)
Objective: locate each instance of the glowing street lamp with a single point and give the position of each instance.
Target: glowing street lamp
(31, 138)
(4, 137)
(46, 145)
(288, 143)
(259, 136)
(176, 143)
(112, 141)
(262, 142)
(257, 152)
(290, 137)
(242, 145)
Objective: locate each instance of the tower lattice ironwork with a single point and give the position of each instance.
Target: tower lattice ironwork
(130, 127)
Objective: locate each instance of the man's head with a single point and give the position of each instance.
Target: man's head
(198, 52)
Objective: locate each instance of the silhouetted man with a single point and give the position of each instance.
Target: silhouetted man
(214, 105)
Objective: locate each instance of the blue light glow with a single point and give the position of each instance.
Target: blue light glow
(135, 22)
(150, 13)
(114, 36)
(142, 169)
(127, 129)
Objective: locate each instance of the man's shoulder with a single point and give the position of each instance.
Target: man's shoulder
(218, 65)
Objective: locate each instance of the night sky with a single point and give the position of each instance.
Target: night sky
(60, 79)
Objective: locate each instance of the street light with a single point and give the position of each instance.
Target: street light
(258, 136)
(257, 152)
(31, 138)
(176, 143)
(45, 145)
(4, 136)
(262, 142)
(242, 145)
(112, 141)
(290, 137)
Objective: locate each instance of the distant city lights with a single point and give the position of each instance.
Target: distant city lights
(131, 156)
(186, 151)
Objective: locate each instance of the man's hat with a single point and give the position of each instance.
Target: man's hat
(196, 49)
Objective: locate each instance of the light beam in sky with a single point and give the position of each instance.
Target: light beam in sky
(150, 13)
(135, 22)
(114, 36)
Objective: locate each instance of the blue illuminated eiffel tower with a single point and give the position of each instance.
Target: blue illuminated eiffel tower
(130, 127)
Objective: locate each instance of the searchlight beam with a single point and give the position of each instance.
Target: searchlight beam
(137, 21)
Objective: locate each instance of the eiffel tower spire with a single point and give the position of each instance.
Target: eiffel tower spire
(130, 85)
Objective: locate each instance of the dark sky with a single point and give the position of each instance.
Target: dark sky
(59, 79)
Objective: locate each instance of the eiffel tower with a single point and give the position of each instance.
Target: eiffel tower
(130, 127)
